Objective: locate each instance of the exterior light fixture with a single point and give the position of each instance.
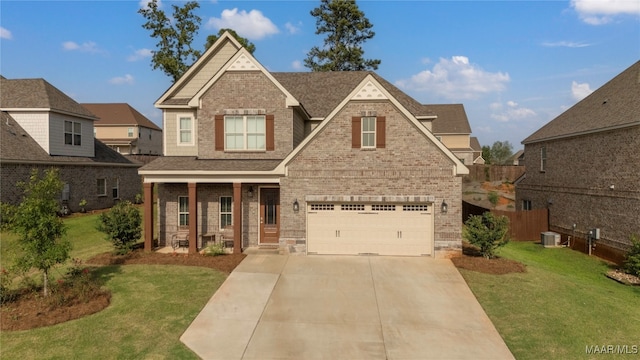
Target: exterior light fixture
(250, 191)
(296, 205)
(444, 207)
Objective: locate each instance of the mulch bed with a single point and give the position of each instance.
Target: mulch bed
(472, 260)
(30, 310)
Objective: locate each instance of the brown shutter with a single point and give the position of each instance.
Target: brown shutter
(380, 132)
(219, 132)
(356, 132)
(270, 128)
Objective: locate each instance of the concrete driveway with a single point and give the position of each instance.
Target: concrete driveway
(344, 307)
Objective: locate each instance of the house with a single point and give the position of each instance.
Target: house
(41, 127)
(124, 129)
(452, 128)
(584, 164)
(310, 163)
(477, 151)
(517, 159)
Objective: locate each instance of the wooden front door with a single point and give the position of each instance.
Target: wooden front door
(269, 216)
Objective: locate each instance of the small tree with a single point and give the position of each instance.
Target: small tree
(493, 198)
(488, 232)
(122, 226)
(40, 230)
(632, 259)
(501, 151)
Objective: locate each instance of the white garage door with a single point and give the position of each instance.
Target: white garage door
(383, 229)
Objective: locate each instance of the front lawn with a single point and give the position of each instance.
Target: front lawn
(562, 306)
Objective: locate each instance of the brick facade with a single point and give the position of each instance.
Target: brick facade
(591, 181)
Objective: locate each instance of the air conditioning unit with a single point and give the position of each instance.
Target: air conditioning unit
(549, 239)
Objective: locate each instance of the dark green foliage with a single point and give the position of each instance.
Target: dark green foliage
(174, 53)
(7, 211)
(487, 231)
(346, 28)
(486, 154)
(493, 198)
(632, 260)
(501, 151)
(6, 293)
(38, 226)
(122, 224)
(211, 39)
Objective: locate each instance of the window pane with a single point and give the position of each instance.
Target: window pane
(185, 123)
(225, 220)
(368, 139)
(68, 139)
(68, 126)
(76, 140)
(184, 204)
(185, 136)
(368, 124)
(225, 204)
(77, 128)
(256, 142)
(184, 219)
(233, 124)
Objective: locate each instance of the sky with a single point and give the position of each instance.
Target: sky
(514, 65)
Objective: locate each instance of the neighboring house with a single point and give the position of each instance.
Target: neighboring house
(43, 128)
(452, 128)
(584, 166)
(125, 130)
(316, 162)
(477, 151)
(517, 159)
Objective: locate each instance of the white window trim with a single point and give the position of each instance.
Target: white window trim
(130, 132)
(104, 186)
(245, 134)
(374, 132)
(224, 213)
(543, 159)
(73, 133)
(183, 212)
(179, 131)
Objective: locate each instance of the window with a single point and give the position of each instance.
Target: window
(246, 132)
(543, 158)
(183, 211)
(72, 133)
(526, 204)
(101, 187)
(185, 124)
(226, 213)
(115, 191)
(130, 132)
(368, 132)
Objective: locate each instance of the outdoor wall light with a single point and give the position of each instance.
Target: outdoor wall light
(250, 191)
(444, 207)
(296, 205)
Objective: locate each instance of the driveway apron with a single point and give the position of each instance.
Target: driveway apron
(344, 307)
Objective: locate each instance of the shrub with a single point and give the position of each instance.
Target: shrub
(215, 249)
(487, 231)
(6, 293)
(122, 226)
(493, 198)
(632, 259)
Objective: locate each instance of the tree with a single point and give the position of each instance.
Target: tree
(122, 226)
(487, 231)
(40, 231)
(346, 28)
(501, 151)
(174, 36)
(486, 154)
(211, 39)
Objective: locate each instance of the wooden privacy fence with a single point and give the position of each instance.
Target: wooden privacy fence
(524, 225)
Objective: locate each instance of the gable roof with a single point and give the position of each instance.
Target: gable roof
(17, 146)
(38, 94)
(119, 114)
(452, 119)
(475, 144)
(615, 104)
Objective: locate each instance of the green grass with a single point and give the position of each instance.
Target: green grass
(561, 305)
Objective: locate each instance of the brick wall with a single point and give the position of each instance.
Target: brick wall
(577, 180)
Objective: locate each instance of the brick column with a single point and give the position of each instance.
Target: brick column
(148, 216)
(193, 219)
(237, 218)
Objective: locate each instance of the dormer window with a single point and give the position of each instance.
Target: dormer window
(72, 133)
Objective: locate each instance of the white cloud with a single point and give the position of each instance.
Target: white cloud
(140, 54)
(598, 12)
(569, 44)
(120, 80)
(88, 46)
(297, 65)
(253, 24)
(580, 91)
(293, 29)
(456, 79)
(509, 111)
(5, 34)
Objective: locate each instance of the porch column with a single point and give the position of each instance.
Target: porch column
(237, 218)
(148, 216)
(193, 219)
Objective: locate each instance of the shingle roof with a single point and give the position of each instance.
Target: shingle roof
(118, 114)
(185, 163)
(614, 104)
(452, 119)
(18, 145)
(475, 144)
(38, 94)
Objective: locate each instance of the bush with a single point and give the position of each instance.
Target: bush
(632, 260)
(6, 293)
(6, 215)
(122, 224)
(488, 232)
(493, 198)
(215, 249)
